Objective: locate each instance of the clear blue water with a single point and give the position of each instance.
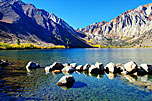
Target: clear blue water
(17, 84)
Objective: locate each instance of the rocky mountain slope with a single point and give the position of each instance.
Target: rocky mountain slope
(31, 25)
(125, 29)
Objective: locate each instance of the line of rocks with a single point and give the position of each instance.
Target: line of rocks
(130, 68)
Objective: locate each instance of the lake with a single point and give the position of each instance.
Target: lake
(17, 84)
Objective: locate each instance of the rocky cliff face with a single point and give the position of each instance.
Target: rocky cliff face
(29, 24)
(132, 24)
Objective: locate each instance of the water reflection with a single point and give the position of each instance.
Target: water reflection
(140, 81)
(110, 75)
(79, 84)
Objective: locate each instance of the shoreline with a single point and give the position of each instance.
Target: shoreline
(25, 46)
(72, 48)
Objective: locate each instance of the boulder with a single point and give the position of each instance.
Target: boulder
(66, 81)
(120, 68)
(100, 66)
(66, 64)
(141, 72)
(131, 67)
(32, 65)
(111, 67)
(74, 65)
(93, 69)
(146, 67)
(86, 67)
(4, 63)
(68, 69)
(48, 69)
(79, 68)
(57, 66)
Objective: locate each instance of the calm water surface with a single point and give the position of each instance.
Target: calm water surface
(17, 84)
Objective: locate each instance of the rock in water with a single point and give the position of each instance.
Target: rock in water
(66, 81)
(32, 65)
(130, 67)
(146, 67)
(79, 68)
(100, 66)
(57, 66)
(86, 67)
(120, 68)
(111, 67)
(74, 65)
(68, 69)
(93, 69)
(4, 63)
(48, 69)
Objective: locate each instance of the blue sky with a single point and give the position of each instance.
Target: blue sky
(81, 13)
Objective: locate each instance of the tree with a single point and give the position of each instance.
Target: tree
(67, 42)
(18, 41)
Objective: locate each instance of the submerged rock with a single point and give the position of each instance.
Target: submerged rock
(131, 67)
(32, 65)
(66, 81)
(86, 67)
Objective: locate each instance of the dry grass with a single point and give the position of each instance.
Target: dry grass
(26, 46)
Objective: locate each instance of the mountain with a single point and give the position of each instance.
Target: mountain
(125, 29)
(31, 25)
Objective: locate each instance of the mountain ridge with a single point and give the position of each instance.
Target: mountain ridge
(130, 24)
(29, 24)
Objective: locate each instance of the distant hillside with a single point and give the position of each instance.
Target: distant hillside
(126, 29)
(31, 25)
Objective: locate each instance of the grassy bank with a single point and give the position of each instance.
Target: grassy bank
(6, 46)
(100, 46)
